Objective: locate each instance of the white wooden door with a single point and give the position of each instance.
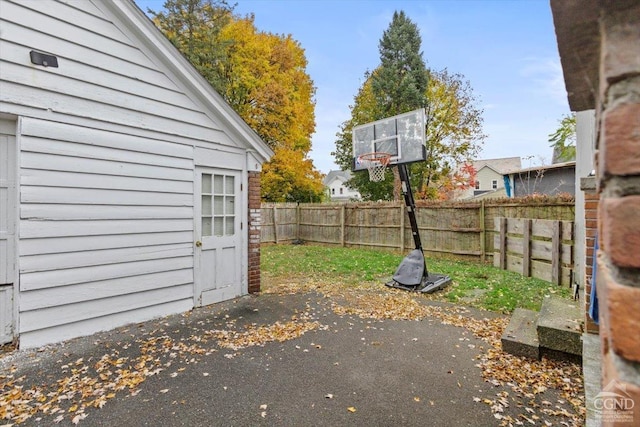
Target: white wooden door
(218, 249)
(7, 228)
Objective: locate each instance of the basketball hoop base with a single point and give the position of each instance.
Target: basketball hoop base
(412, 275)
(431, 283)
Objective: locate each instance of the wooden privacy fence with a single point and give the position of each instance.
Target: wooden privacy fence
(462, 229)
(535, 247)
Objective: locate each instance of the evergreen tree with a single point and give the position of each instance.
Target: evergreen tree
(454, 136)
(194, 26)
(400, 82)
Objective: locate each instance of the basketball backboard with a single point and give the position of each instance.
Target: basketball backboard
(402, 136)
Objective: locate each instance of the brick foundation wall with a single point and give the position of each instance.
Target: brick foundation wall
(618, 178)
(254, 221)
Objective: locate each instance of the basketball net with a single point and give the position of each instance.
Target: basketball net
(376, 164)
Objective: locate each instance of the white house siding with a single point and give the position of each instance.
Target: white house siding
(101, 74)
(106, 164)
(347, 193)
(106, 229)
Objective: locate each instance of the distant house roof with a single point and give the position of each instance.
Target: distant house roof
(546, 167)
(503, 165)
(343, 176)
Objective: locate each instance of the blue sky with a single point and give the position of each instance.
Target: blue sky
(506, 49)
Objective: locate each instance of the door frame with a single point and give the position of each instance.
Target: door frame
(241, 213)
(9, 125)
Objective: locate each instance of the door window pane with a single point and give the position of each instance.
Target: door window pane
(230, 227)
(206, 183)
(218, 205)
(229, 182)
(206, 226)
(230, 205)
(206, 205)
(218, 223)
(218, 184)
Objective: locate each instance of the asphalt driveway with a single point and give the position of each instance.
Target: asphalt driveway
(273, 360)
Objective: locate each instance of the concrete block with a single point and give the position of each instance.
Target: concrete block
(520, 337)
(560, 325)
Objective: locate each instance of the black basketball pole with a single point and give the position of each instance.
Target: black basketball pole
(412, 273)
(410, 203)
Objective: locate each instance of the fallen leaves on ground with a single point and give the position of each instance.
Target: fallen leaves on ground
(527, 379)
(260, 335)
(522, 385)
(82, 384)
(91, 383)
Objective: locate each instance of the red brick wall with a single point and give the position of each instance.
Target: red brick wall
(618, 275)
(591, 225)
(254, 232)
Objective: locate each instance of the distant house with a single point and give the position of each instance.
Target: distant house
(549, 179)
(492, 176)
(335, 183)
(129, 189)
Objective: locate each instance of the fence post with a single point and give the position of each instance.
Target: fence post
(556, 246)
(298, 221)
(483, 234)
(401, 228)
(503, 243)
(526, 248)
(342, 225)
(275, 224)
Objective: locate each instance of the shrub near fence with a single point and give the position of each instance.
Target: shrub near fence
(455, 229)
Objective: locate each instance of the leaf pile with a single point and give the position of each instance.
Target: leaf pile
(260, 335)
(82, 385)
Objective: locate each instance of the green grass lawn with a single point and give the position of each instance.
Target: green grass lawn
(474, 284)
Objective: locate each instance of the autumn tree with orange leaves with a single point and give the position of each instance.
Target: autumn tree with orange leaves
(455, 183)
(263, 77)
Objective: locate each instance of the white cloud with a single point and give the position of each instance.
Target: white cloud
(545, 76)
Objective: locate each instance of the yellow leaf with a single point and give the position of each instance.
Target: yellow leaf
(351, 409)
(417, 399)
(74, 408)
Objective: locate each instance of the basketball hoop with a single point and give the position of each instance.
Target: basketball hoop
(376, 164)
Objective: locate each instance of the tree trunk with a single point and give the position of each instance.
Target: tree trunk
(397, 185)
